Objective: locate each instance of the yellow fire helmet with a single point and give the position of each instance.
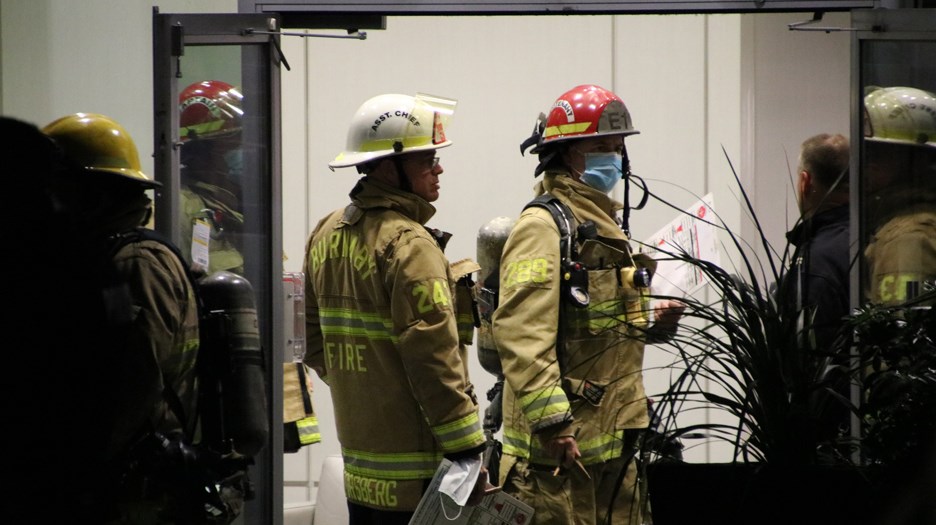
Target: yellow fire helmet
(98, 144)
(393, 124)
(900, 115)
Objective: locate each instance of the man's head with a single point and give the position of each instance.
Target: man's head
(393, 139)
(104, 179)
(585, 125)
(822, 180)
(417, 173)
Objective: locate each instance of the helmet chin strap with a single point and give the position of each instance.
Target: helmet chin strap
(402, 178)
(627, 175)
(405, 184)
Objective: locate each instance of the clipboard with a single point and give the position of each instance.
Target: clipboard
(436, 508)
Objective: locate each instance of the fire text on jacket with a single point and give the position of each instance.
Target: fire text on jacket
(345, 356)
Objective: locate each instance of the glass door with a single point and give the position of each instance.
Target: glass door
(894, 83)
(217, 144)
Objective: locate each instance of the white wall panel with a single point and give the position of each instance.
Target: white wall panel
(693, 83)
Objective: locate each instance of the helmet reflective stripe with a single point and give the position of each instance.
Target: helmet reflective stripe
(566, 129)
(202, 129)
(391, 465)
(389, 144)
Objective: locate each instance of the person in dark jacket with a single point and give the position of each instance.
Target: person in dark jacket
(814, 292)
(817, 283)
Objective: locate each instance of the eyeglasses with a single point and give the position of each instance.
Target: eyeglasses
(426, 163)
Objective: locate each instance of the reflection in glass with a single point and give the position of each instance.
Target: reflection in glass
(211, 123)
(899, 192)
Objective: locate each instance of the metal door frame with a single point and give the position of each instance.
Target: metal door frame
(172, 33)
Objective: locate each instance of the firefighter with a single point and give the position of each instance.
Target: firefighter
(108, 194)
(381, 316)
(574, 402)
(211, 122)
(900, 138)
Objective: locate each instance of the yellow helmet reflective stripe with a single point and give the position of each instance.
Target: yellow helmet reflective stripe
(566, 129)
(98, 144)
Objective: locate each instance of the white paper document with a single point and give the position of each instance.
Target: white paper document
(693, 233)
(436, 508)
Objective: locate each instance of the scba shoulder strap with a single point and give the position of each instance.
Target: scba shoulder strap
(574, 274)
(563, 217)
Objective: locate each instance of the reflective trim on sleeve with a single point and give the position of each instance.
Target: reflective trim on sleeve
(308, 430)
(517, 443)
(460, 434)
(546, 403)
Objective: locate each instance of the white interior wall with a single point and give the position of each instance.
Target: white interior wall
(693, 84)
(660, 65)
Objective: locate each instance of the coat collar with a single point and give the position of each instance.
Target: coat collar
(586, 202)
(371, 194)
(805, 229)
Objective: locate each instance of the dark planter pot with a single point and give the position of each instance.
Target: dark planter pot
(757, 494)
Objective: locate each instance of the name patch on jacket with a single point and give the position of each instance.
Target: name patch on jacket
(346, 245)
(378, 492)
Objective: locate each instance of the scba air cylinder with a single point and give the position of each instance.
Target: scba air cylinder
(491, 239)
(232, 387)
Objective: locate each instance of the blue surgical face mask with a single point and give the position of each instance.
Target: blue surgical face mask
(602, 170)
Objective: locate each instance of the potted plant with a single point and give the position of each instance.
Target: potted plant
(778, 403)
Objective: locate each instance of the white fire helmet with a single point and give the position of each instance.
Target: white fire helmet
(900, 115)
(395, 124)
